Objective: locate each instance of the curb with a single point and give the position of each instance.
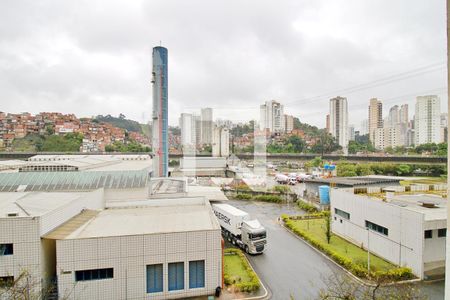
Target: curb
(350, 274)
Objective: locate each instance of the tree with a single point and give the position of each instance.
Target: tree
(342, 287)
(403, 170)
(297, 143)
(328, 227)
(346, 169)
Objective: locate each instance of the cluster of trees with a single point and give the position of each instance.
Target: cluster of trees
(240, 130)
(362, 144)
(121, 122)
(347, 169)
(131, 146)
(70, 142)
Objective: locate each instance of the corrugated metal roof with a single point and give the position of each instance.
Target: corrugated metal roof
(65, 181)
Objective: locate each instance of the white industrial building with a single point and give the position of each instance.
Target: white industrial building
(109, 232)
(427, 120)
(221, 142)
(407, 229)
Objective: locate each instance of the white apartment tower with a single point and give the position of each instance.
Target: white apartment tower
(375, 117)
(221, 142)
(207, 125)
(339, 120)
(289, 123)
(272, 116)
(427, 119)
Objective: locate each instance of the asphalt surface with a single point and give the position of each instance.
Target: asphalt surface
(291, 268)
(288, 267)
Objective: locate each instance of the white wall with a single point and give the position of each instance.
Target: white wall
(129, 256)
(405, 227)
(23, 233)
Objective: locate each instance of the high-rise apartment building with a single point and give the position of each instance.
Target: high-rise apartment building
(160, 116)
(427, 119)
(272, 116)
(444, 127)
(404, 114)
(339, 120)
(207, 125)
(375, 117)
(393, 117)
(351, 132)
(364, 127)
(221, 142)
(327, 123)
(288, 123)
(187, 126)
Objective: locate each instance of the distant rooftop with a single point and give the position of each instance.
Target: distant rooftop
(55, 163)
(71, 181)
(157, 216)
(356, 181)
(24, 204)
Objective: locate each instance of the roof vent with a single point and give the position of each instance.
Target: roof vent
(429, 203)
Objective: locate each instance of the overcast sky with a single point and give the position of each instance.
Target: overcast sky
(94, 57)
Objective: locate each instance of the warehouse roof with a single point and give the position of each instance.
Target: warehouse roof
(23, 204)
(354, 181)
(157, 216)
(65, 181)
(432, 206)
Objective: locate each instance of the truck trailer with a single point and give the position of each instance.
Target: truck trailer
(239, 229)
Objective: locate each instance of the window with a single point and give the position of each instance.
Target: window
(6, 281)
(196, 274)
(442, 232)
(342, 213)
(376, 228)
(428, 234)
(94, 274)
(176, 276)
(154, 278)
(6, 249)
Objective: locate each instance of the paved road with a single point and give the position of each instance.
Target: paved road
(288, 266)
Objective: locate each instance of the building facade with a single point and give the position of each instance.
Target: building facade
(221, 142)
(160, 116)
(289, 123)
(400, 229)
(375, 117)
(427, 120)
(207, 125)
(339, 120)
(272, 117)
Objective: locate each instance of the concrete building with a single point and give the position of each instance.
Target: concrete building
(364, 127)
(288, 123)
(327, 123)
(403, 228)
(393, 117)
(427, 120)
(221, 142)
(404, 114)
(207, 125)
(351, 132)
(272, 116)
(375, 117)
(160, 117)
(339, 120)
(188, 131)
(107, 231)
(444, 127)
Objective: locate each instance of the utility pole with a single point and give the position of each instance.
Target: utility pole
(368, 251)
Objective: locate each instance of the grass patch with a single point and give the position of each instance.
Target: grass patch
(316, 228)
(238, 272)
(312, 228)
(235, 269)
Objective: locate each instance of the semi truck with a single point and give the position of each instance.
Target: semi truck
(239, 229)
